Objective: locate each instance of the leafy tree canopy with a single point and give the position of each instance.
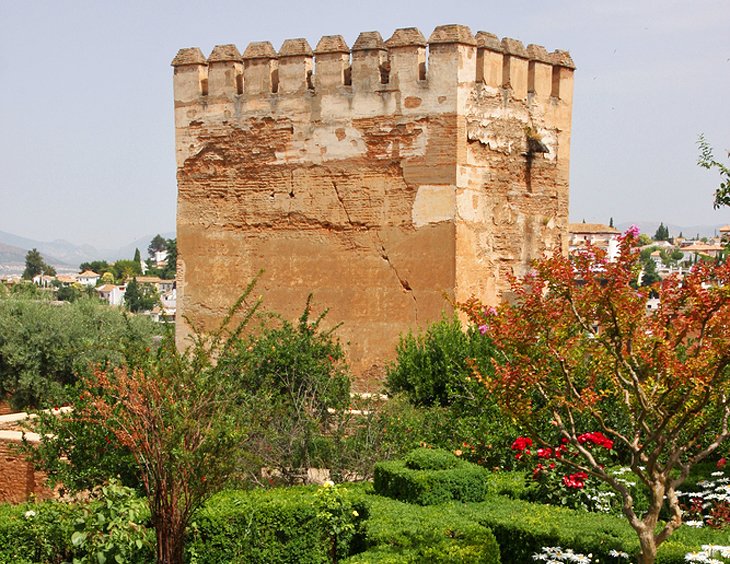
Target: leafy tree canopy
(578, 346)
(662, 233)
(35, 265)
(140, 297)
(158, 243)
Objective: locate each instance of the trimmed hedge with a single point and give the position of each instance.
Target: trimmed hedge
(523, 528)
(430, 459)
(462, 482)
(263, 526)
(399, 532)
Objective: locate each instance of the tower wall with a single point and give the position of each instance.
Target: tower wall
(384, 178)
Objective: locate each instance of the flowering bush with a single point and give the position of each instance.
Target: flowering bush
(711, 505)
(337, 516)
(707, 554)
(555, 554)
(576, 345)
(549, 483)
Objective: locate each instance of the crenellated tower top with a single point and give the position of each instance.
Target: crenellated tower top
(452, 54)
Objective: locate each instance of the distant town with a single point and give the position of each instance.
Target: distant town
(140, 285)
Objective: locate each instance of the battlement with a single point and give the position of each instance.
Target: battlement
(405, 61)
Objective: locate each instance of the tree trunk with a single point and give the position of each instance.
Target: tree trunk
(170, 541)
(648, 547)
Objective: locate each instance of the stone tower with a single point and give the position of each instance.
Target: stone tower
(384, 178)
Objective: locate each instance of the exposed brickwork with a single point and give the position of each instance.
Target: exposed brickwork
(384, 181)
(18, 478)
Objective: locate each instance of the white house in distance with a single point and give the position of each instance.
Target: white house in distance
(698, 248)
(598, 235)
(113, 294)
(88, 278)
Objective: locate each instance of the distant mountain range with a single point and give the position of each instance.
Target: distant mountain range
(64, 256)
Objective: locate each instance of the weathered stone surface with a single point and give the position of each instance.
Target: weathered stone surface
(331, 44)
(381, 198)
(189, 56)
(259, 50)
(225, 53)
(295, 47)
(452, 33)
(406, 36)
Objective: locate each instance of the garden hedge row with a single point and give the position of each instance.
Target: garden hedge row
(264, 526)
(523, 528)
(398, 532)
(430, 477)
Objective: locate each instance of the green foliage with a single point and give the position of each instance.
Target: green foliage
(430, 459)
(68, 294)
(114, 528)
(522, 528)
(80, 454)
(44, 347)
(432, 367)
(434, 371)
(111, 527)
(292, 375)
(336, 515)
(273, 526)
(158, 243)
(400, 533)
(644, 240)
(98, 266)
(462, 482)
(707, 160)
(35, 265)
(125, 269)
(140, 297)
(662, 233)
(137, 256)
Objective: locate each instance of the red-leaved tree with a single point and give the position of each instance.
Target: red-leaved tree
(180, 415)
(577, 347)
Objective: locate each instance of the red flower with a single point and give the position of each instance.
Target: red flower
(596, 438)
(575, 481)
(546, 452)
(521, 443)
(722, 462)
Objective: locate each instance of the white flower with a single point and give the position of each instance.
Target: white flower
(29, 514)
(618, 554)
(695, 524)
(328, 484)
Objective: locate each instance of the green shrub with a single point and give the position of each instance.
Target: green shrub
(511, 484)
(113, 527)
(293, 374)
(433, 371)
(432, 367)
(430, 459)
(45, 347)
(462, 482)
(397, 532)
(523, 528)
(270, 526)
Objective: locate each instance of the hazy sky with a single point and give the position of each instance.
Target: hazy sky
(86, 122)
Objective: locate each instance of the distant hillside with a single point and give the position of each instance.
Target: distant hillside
(63, 254)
